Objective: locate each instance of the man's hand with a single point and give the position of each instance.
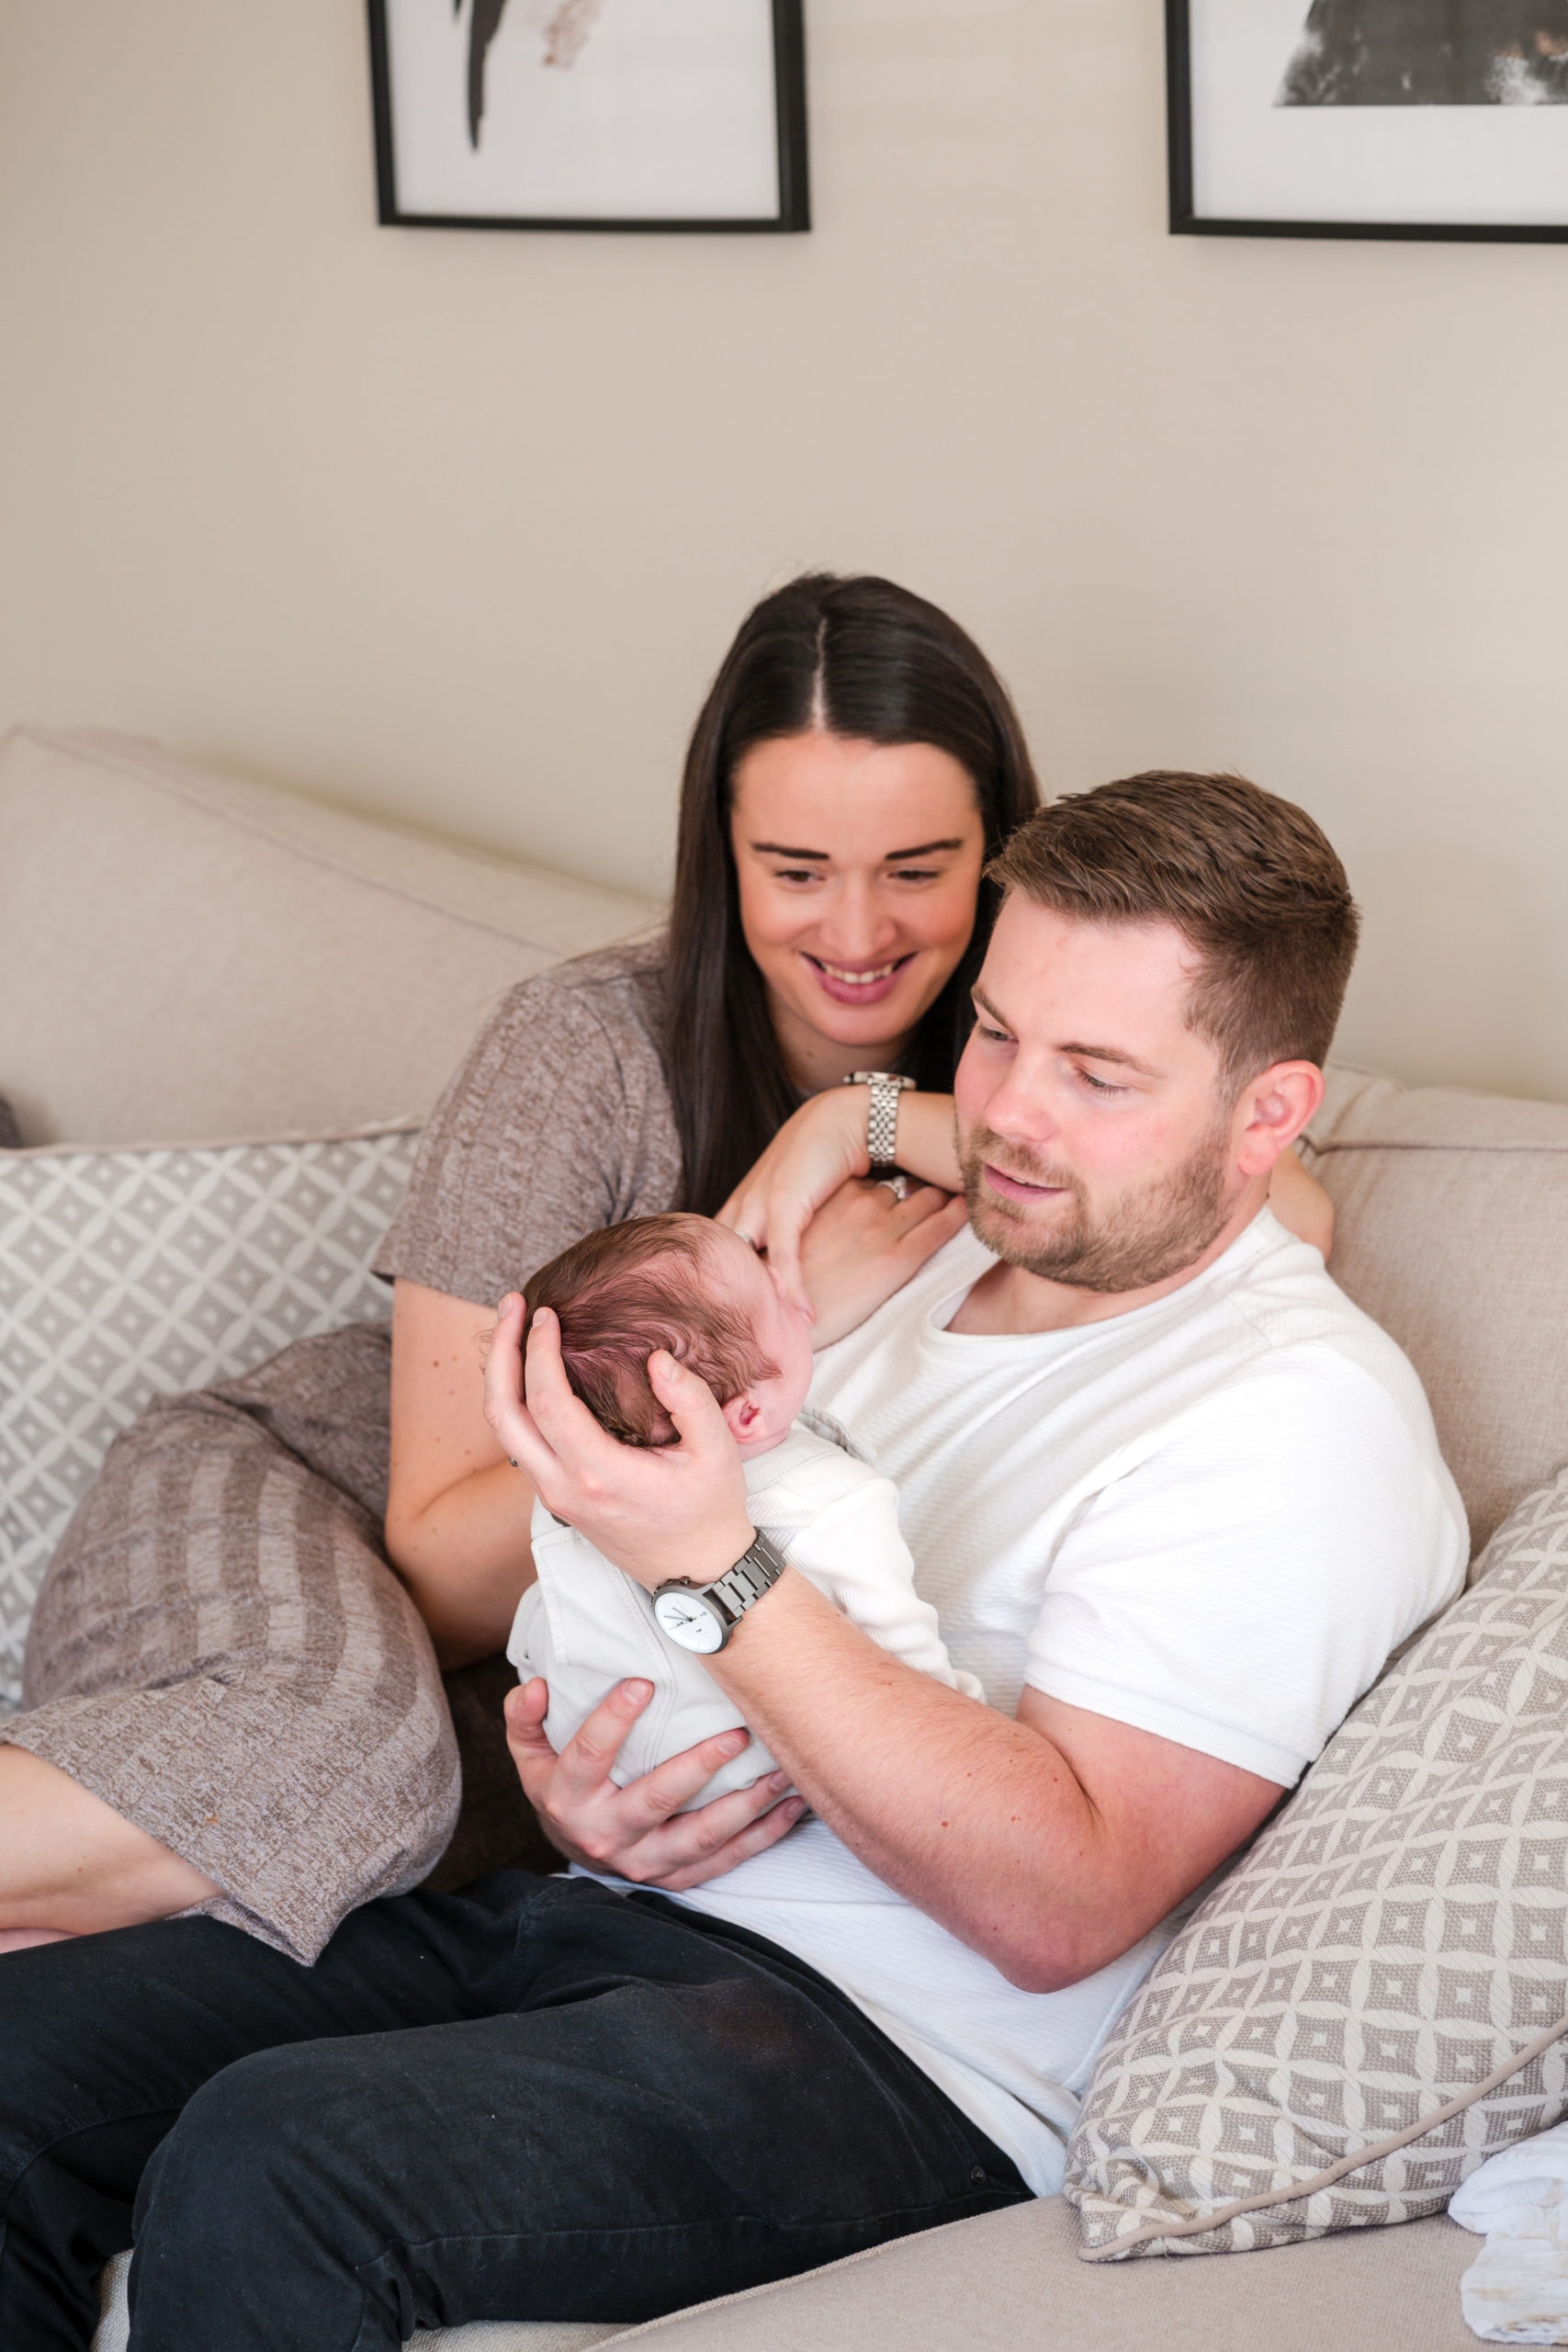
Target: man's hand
(659, 1512)
(639, 1832)
(863, 1244)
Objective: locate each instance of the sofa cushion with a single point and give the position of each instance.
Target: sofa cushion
(1394, 1939)
(126, 1274)
(1453, 1210)
(187, 955)
(10, 1133)
(1011, 2281)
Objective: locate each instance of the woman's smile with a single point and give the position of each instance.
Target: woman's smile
(866, 984)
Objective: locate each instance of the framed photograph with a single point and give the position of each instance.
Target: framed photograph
(1368, 118)
(589, 113)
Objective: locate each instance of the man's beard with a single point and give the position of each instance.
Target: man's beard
(1143, 1239)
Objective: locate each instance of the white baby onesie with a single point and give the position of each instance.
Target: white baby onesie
(584, 1626)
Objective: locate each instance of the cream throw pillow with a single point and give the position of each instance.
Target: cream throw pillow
(1343, 2030)
(127, 1273)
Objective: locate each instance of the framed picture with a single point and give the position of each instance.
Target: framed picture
(1368, 118)
(589, 113)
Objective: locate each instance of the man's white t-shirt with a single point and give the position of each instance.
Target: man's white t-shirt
(1214, 1518)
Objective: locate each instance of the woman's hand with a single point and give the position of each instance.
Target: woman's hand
(866, 1243)
(1300, 1202)
(815, 1152)
(659, 1512)
(818, 1150)
(639, 1832)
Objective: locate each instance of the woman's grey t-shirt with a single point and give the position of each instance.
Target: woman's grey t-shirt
(557, 1123)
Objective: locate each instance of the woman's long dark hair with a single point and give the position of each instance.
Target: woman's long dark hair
(867, 660)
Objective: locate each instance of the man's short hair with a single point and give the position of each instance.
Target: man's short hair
(1247, 878)
(623, 1292)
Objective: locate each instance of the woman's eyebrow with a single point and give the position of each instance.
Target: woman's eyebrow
(893, 857)
(925, 849)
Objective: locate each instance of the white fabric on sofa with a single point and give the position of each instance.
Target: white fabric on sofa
(190, 957)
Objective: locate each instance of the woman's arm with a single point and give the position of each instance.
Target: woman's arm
(458, 1513)
(820, 1149)
(1300, 1202)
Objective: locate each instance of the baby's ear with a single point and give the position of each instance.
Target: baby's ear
(741, 1415)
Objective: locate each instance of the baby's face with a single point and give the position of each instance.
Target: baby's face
(769, 1407)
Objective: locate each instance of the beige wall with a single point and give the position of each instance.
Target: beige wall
(454, 526)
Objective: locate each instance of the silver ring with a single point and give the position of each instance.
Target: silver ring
(897, 1186)
(745, 1236)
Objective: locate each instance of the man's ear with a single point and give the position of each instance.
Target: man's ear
(741, 1415)
(1272, 1110)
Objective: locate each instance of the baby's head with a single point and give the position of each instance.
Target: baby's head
(693, 1286)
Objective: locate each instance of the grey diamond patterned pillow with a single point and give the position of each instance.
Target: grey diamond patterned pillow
(1336, 2038)
(124, 1274)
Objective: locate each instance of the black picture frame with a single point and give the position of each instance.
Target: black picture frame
(794, 215)
(1187, 221)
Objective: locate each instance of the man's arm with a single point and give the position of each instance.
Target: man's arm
(1049, 1843)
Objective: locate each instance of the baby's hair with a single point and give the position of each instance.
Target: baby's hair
(630, 1288)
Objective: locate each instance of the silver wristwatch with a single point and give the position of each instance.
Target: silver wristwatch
(882, 1114)
(702, 1617)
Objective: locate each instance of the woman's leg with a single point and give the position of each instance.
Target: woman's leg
(221, 1657)
(70, 1865)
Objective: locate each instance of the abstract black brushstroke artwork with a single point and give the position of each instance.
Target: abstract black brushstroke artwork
(1431, 53)
(589, 113)
(565, 30)
(1368, 118)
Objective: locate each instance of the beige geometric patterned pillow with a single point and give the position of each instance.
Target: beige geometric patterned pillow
(133, 1273)
(1374, 2000)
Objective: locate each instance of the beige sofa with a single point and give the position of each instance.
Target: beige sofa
(185, 957)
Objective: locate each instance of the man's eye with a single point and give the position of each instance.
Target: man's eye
(1099, 1085)
(916, 873)
(993, 1037)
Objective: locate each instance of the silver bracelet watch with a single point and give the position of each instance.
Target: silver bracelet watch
(882, 1114)
(702, 1617)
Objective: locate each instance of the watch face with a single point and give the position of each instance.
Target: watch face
(690, 1619)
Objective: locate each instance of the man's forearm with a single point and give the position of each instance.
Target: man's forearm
(976, 1818)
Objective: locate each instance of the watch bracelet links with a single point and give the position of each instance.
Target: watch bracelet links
(883, 1090)
(756, 1572)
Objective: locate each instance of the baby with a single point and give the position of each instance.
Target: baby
(694, 1287)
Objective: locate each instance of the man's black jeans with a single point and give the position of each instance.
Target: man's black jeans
(533, 2099)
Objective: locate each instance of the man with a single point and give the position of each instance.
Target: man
(1174, 1499)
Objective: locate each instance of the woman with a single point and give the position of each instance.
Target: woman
(231, 1704)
